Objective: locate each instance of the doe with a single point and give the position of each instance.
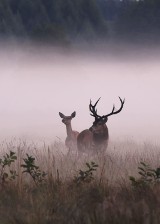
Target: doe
(71, 139)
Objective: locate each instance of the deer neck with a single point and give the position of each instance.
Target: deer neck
(69, 130)
(103, 135)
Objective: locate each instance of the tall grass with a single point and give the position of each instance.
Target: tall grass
(108, 197)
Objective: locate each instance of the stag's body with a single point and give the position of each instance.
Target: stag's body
(92, 140)
(95, 139)
(85, 141)
(71, 139)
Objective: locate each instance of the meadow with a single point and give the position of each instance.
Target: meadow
(43, 184)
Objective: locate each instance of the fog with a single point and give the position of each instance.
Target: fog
(37, 83)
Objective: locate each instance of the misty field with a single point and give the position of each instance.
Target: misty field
(42, 183)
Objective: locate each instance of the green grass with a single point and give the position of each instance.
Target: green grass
(65, 196)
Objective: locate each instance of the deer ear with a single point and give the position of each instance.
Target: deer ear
(61, 115)
(73, 114)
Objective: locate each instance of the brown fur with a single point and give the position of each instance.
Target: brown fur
(93, 140)
(85, 141)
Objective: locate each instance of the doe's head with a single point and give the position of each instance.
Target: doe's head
(67, 119)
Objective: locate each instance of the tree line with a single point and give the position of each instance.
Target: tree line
(62, 21)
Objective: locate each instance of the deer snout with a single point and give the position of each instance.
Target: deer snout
(64, 121)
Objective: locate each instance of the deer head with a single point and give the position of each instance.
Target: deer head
(67, 119)
(100, 121)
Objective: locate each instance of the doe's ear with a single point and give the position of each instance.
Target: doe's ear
(61, 115)
(73, 114)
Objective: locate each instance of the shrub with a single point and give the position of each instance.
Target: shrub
(86, 175)
(148, 176)
(33, 170)
(7, 174)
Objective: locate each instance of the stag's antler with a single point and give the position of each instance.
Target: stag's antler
(113, 110)
(93, 110)
(97, 117)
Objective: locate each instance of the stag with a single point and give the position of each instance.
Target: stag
(71, 139)
(95, 139)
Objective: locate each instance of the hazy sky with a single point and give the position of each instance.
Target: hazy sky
(36, 84)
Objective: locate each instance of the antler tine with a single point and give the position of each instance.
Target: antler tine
(97, 102)
(122, 101)
(113, 110)
(92, 108)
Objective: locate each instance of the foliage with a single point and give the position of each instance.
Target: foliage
(33, 170)
(148, 176)
(139, 20)
(86, 176)
(64, 21)
(51, 20)
(7, 174)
